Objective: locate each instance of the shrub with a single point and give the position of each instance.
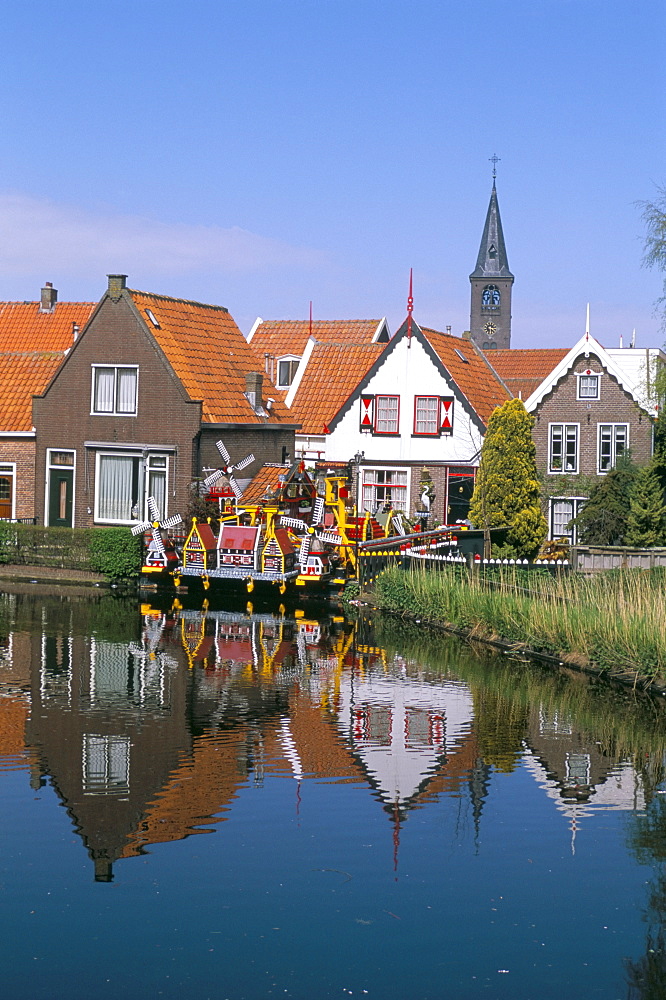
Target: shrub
(116, 553)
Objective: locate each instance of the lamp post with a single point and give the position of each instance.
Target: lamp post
(356, 465)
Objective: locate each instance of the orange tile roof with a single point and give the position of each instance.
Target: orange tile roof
(332, 374)
(471, 372)
(23, 374)
(266, 479)
(523, 370)
(24, 328)
(281, 337)
(210, 356)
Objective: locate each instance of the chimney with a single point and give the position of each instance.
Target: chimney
(253, 386)
(49, 298)
(116, 284)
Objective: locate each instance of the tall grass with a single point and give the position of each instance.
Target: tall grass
(616, 621)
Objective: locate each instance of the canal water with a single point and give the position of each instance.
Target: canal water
(239, 802)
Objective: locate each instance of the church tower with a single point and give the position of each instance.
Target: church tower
(491, 280)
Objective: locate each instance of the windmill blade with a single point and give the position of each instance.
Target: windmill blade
(157, 541)
(329, 536)
(171, 522)
(398, 524)
(237, 491)
(213, 478)
(243, 464)
(301, 646)
(293, 522)
(318, 511)
(139, 529)
(153, 512)
(304, 550)
(223, 452)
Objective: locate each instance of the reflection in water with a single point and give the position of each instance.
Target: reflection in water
(150, 723)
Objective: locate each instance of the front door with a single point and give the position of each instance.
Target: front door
(61, 490)
(6, 485)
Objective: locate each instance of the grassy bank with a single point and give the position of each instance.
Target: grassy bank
(615, 621)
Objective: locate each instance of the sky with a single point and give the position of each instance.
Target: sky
(262, 154)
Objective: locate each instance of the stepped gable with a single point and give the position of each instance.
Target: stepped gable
(522, 371)
(468, 367)
(209, 355)
(280, 338)
(332, 374)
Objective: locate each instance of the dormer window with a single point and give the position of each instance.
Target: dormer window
(286, 371)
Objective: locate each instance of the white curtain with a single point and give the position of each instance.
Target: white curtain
(114, 488)
(104, 390)
(126, 390)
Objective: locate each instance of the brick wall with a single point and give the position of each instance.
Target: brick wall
(22, 453)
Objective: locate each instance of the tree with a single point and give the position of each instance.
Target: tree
(605, 516)
(645, 523)
(506, 493)
(654, 247)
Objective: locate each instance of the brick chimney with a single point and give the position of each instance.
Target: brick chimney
(253, 385)
(116, 284)
(49, 298)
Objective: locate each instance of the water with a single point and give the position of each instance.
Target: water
(207, 803)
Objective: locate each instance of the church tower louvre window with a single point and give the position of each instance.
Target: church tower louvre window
(491, 282)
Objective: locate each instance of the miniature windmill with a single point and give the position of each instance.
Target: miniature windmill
(156, 554)
(312, 532)
(228, 470)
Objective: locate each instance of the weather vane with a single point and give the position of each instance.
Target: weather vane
(494, 159)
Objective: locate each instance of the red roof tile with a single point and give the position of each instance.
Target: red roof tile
(471, 372)
(210, 356)
(523, 370)
(332, 374)
(23, 327)
(283, 337)
(23, 374)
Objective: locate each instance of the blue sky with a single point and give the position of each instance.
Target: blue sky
(260, 154)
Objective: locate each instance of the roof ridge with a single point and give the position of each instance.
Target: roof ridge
(27, 354)
(173, 298)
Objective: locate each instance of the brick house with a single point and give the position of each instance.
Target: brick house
(595, 405)
(34, 340)
(136, 407)
(423, 402)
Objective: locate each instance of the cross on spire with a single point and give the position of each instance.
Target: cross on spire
(494, 159)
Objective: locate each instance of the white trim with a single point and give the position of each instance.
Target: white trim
(47, 492)
(586, 345)
(300, 372)
(9, 468)
(18, 434)
(563, 471)
(378, 332)
(255, 326)
(588, 373)
(278, 361)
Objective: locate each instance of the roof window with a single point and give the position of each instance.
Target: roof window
(153, 319)
(461, 356)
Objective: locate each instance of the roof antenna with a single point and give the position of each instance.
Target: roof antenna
(410, 307)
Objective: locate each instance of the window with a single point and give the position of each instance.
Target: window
(105, 764)
(114, 390)
(7, 480)
(588, 385)
(426, 415)
(490, 297)
(385, 487)
(562, 511)
(286, 372)
(613, 442)
(123, 482)
(386, 414)
(563, 448)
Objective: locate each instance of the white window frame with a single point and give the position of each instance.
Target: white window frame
(291, 360)
(380, 414)
(588, 374)
(115, 412)
(9, 469)
(576, 506)
(571, 426)
(369, 499)
(613, 442)
(143, 485)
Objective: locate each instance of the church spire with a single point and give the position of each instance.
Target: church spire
(491, 281)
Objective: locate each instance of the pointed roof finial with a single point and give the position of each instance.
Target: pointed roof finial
(494, 159)
(587, 322)
(310, 317)
(410, 307)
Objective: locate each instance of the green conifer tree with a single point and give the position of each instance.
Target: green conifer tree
(506, 493)
(646, 525)
(604, 518)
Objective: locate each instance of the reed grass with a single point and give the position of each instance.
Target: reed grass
(615, 621)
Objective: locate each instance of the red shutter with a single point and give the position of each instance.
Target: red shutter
(447, 415)
(367, 413)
